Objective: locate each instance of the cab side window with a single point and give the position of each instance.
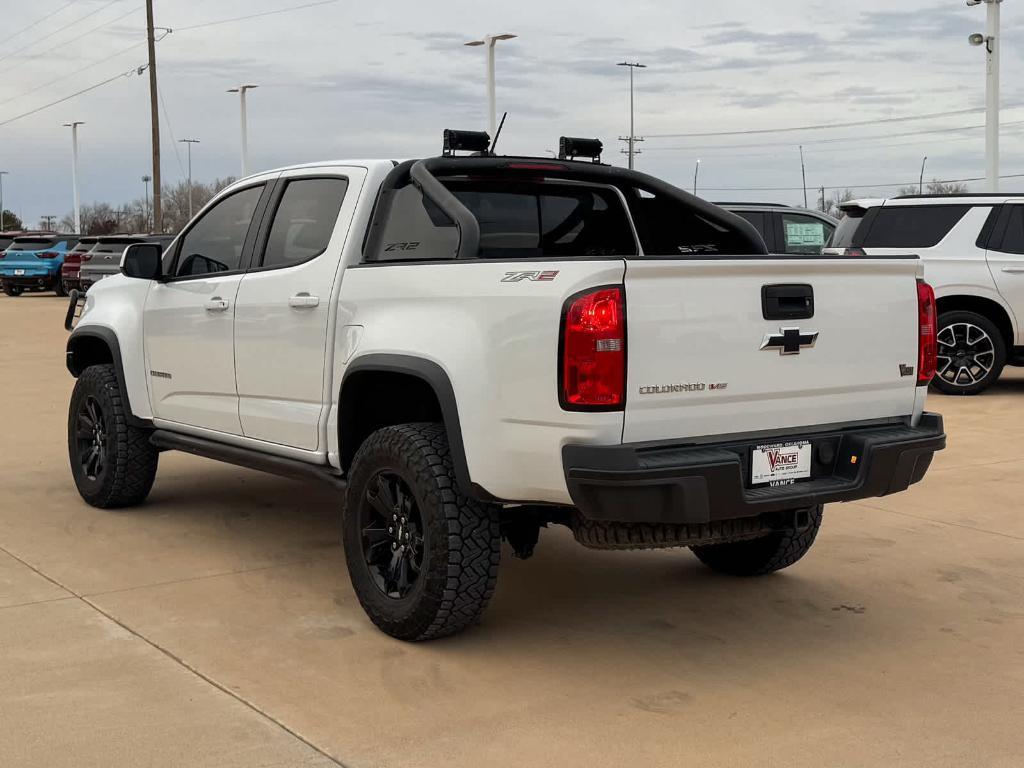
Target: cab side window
(304, 221)
(214, 244)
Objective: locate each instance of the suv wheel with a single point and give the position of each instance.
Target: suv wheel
(764, 555)
(971, 356)
(13, 290)
(423, 559)
(112, 462)
(60, 287)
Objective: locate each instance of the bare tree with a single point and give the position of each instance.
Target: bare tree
(832, 202)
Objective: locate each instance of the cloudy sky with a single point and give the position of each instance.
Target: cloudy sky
(383, 79)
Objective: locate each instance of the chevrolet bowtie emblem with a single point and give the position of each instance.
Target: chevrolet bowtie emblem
(789, 341)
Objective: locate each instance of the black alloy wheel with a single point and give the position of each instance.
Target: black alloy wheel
(392, 534)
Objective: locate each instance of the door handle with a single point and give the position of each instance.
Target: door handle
(216, 304)
(303, 300)
(1013, 270)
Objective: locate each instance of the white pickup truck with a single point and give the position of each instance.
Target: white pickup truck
(474, 347)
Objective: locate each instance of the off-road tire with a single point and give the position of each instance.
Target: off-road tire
(131, 460)
(764, 555)
(947, 319)
(461, 536)
(13, 290)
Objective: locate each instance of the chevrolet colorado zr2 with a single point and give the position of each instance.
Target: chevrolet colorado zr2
(474, 347)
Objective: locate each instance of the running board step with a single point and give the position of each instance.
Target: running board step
(244, 457)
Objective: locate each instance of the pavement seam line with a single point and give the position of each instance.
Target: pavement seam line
(181, 662)
(39, 602)
(943, 522)
(188, 579)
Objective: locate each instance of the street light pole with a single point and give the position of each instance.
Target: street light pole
(632, 139)
(189, 143)
(803, 173)
(696, 171)
(492, 109)
(920, 186)
(145, 181)
(2, 174)
(991, 42)
(240, 90)
(74, 171)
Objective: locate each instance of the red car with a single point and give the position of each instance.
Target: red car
(69, 271)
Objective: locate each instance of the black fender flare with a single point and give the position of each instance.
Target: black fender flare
(109, 338)
(436, 377)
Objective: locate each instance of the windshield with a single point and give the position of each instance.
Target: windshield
(848, 226)
(32, 244)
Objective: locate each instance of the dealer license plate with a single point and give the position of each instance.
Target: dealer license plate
(19, 272)
(780, 463)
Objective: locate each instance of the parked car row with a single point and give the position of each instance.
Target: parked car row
(44, 261)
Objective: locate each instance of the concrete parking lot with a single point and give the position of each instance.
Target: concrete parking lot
(214, 626)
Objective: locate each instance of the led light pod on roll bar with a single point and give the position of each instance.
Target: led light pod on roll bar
(465, 141)
(570, 148)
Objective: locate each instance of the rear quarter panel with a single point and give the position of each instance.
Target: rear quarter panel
(498, 343)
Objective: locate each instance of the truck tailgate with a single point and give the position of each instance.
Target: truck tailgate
(704, 360)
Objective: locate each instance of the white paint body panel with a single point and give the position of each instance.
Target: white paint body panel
(700, 322)
(281, 351)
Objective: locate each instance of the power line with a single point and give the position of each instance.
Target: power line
(129, 73)
(255, 15)
(76, 71)
(80, 19)
(170, 131)
(913, 183)
(37, 22)
(76, 37)
(820, 127)
(834, 140)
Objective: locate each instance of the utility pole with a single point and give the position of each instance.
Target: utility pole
(154, 117)
(48, 221)
(240, 90)
(74, 171)
(920, 183)
(2, 174)
(189, 143)
(991, 42)
(824, 205)
(803, 173)
(631, 151)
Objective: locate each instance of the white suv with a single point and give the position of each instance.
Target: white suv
(973, 252)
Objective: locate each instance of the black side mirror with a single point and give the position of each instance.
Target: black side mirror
(142, 261)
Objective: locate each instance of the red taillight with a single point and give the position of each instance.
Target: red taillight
(593, 374)
(927, 344)
(47, 255)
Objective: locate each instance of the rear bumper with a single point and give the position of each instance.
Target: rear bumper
(673, 483)
(35, 280)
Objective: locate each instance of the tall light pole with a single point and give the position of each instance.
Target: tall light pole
(74, 171)
(920, 185)
(492, 109)
(145, 181)
(696, 171)
(803, 173)
(240, 90)
(2, 174)
(632, 139)
(189, 143)
(991, 42)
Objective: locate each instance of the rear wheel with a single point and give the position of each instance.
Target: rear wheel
(971, 353)
(423, 558)
(764, 555)
(13, 290)
(112, 462)
(60, 287)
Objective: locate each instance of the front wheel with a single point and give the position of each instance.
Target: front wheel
(971, 353)
(113, 463)
(423, 558)
(764, 555)
(13, 290)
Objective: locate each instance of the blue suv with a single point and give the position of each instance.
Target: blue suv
(32, 263)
